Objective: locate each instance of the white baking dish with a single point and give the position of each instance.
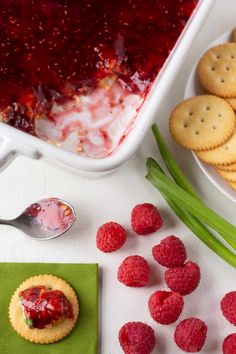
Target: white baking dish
(14, 142)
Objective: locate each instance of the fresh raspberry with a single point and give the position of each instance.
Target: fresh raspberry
(170, 252)
(228, 307)
(190, 335)
(165, 306)
(183, 280)
(137, 338)
(134, 271)
(145, 219)
(110, 237)
(229, 344)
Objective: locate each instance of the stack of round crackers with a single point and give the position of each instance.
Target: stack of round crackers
(207, 123)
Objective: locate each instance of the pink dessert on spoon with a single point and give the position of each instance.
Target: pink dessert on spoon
(51, 214)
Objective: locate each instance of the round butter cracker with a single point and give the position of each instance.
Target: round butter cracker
(230, 168)
(228, 176)
(232, 102)
(232, 185)
(234, 35)
(202, 122)
(50, 334)
(222, 155)
(217, 70)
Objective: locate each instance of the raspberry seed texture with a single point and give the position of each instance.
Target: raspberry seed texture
(134, 271)
(137, 338)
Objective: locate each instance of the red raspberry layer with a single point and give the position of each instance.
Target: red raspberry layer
(44, 307)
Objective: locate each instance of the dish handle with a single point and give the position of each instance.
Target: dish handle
(8, 152)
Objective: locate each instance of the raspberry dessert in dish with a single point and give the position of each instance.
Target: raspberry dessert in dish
(44, 309)
(76, 73)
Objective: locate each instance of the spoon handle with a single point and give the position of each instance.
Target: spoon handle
(6, 222)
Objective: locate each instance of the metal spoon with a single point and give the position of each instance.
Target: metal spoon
(45, 219)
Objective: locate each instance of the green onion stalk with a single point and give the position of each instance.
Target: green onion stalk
(188, 206)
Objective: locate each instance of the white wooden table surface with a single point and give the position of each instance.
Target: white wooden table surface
(112, 198)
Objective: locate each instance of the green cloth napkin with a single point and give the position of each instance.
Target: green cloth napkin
(82, 277)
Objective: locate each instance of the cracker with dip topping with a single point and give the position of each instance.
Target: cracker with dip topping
(51, 333)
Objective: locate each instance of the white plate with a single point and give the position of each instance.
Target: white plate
(193, 88)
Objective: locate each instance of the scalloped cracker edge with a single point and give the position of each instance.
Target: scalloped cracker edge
(222, 155)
